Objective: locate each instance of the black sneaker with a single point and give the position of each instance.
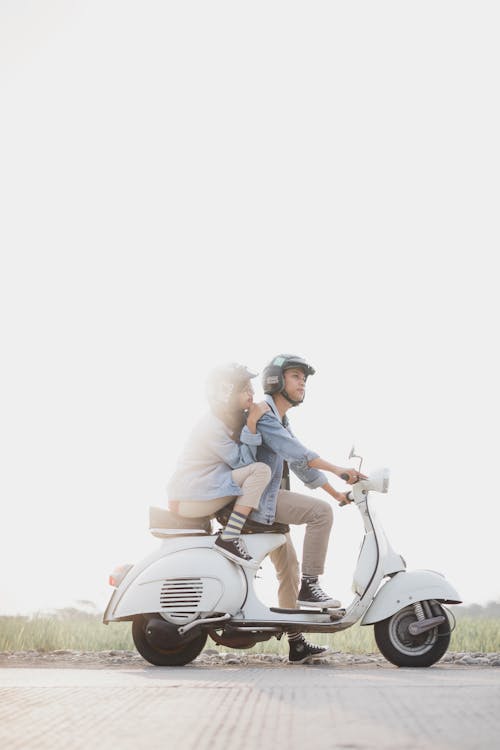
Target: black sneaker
(301, 651)
(312, 595)
(235, 550)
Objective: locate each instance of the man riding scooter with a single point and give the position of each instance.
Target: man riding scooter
(186, 590)
(284, 383)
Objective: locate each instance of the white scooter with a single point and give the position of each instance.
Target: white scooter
(185, 591)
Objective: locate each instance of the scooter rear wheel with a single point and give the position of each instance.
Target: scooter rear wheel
(161, 657)
(405, 650)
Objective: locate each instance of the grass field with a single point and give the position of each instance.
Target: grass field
(81, 632)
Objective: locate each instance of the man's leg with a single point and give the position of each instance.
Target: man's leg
(286, 563)
(296, 509)
(317, 515)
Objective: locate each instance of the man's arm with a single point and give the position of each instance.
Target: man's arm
(341, 497)
(351, 476)
(286, 445)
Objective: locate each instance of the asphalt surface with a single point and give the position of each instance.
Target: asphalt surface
(232, 707)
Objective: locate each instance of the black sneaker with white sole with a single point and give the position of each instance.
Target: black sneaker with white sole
(312, 595)
(235, 550)
(302, 652)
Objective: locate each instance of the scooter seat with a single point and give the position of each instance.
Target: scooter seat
(164, 523)
(166, 533)
(250, 526)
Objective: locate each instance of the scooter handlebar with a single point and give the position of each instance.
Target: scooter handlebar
(349, 496)
(348, 500)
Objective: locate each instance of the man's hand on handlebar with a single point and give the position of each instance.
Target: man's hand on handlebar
(351, 476)
(344, 499)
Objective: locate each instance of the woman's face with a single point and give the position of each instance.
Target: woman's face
(244, 397)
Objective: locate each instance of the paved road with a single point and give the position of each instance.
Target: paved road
(250, 708)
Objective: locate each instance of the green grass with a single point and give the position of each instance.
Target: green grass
(476, 634)
(83, 632)
(46, 633)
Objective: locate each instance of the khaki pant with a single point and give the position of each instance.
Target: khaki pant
(293, 508)
(252, 479)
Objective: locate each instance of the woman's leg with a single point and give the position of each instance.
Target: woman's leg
(252, 479)
(201, 508)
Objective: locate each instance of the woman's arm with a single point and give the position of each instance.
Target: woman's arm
(226, 450)
(255, 412)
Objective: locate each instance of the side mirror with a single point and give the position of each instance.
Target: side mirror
(353, 454)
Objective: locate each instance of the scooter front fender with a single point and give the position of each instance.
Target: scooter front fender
(409, 587)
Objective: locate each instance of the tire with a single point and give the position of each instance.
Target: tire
(401, 648)
(175, 657)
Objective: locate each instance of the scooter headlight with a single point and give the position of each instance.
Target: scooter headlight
(379, 480)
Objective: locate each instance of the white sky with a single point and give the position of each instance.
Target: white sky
(187, 183)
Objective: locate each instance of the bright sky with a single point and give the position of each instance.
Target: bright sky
(184, 184)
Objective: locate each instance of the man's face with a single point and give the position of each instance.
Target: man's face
(295, 383)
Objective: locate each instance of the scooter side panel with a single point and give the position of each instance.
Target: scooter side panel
(366, 564)
(184, 584)
(260, 545)
(409, 587)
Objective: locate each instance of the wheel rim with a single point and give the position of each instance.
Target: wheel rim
(403, 640)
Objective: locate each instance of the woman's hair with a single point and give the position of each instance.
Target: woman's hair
(223, 384)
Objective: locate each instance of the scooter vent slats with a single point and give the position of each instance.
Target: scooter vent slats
(181, 597)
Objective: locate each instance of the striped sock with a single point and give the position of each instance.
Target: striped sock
(233, 526)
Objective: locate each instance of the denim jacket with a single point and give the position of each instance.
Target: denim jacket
(280, 444)
(204, 468)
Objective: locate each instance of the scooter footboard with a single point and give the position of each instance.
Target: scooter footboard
(409, 587)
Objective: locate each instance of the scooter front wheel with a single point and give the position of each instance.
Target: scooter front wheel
(402, 648)
(176, 656)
